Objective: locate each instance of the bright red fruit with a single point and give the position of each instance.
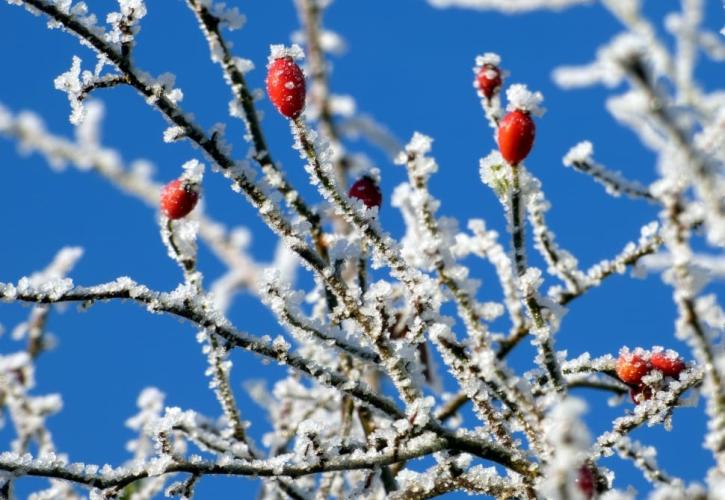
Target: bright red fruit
(366, 190)
(586, 481)
(488, 79)
(516, 134)
(286, 86)
(178, 198)
(631, 367)
(669, 364)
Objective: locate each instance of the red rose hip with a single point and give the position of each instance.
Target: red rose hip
(488, 80)
(668, 362)
(286, 86)
(366, 190)
(516, 136)
(586, 481)
(178, 198)
(631, 367)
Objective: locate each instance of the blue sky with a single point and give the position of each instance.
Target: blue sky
(409, 66)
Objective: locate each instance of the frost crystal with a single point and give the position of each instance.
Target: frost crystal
(70, 83)
(520, 97)
(282, 51)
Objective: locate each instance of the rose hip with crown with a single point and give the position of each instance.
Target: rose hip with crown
(669, 363)
(516, 134)
(488, 80)
(366, 190)
(286, 86)
(631, 367)
(178, 198)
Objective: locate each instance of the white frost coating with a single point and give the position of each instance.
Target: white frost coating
(174, 133)
(243, 65)
(330, 42)
(165, 83)
(342, 105)
(193, 171)
(509, 6)
(608, 68)
(569, 439)
(580, 157)
(282, 51)
(520, 97)
(133, 9)
(70, 83)
(705, 267)
(582, 152)
(488, 58)
(229, 17)
(88, 132)
(495, 173)
(381, 318)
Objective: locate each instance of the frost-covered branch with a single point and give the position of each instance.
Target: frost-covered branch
(86, 154)
(580, 157)
(361, 396)
(243, 107)
(180, 304)
(648, 244)
(653, 411)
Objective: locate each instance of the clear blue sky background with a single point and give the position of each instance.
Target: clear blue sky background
(408, 65)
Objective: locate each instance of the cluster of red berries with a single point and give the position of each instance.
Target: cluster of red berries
(633, 366)
(178, 198)
(516, 131)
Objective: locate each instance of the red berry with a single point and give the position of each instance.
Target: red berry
(286, 86)
(586, 481)
(516, 134)
(488, 79)
(640, 393)
(366, 190)
(631, 367)
(669, 363)
(178, 198)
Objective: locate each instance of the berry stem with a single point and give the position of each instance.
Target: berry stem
(310, 13)
(188, 265)
(517, 225)
(518, 242)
